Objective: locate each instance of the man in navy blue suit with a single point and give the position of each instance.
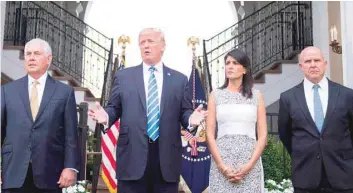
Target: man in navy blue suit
(38, 128)
(316, 127)
(151, 101)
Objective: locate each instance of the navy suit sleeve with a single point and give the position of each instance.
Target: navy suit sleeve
(113, 107)
(3, 116)
(285, 125)
(350, 111)
(186, 105)
(71, 133)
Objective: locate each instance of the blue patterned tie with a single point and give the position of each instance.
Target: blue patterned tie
(318, 111)
(152, 107)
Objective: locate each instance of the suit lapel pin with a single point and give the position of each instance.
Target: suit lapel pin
(168, 74)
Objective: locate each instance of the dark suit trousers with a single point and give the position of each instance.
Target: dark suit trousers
(152, 180)
(324, 186)
(29, 187)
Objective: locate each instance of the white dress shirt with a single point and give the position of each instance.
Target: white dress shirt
(309, 95)
(40, 89)
(158, 73)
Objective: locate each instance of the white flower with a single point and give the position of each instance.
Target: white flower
(81, 189)
(70, 189)
(283, 187)
(77, 188)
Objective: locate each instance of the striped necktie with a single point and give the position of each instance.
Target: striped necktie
(318, 111)
(152, 107)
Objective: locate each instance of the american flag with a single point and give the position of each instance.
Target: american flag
(109, 141)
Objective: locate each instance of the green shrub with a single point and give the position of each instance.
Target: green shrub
(89, 169)
(276, 161)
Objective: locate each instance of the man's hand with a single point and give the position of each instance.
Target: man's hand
(198, 116)
(98, 114)
(67, 178)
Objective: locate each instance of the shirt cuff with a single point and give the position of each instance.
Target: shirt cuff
(105, 126)
(190, 128)
(73, 169)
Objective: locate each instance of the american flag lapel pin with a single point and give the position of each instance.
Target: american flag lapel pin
(168, 74)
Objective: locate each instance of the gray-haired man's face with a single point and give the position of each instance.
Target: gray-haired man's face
(36, 60)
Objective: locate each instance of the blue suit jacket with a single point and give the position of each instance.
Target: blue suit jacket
(310, 150)
(128, 102)
(50, 141)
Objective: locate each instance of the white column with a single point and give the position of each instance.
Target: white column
(2, 25)
(347, 42)
(321, 29)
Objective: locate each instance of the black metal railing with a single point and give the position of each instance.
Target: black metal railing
(82, 110)
(272, 33)
(78, 49)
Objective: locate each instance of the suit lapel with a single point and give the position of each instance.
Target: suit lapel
(165, 88)
(49, 89)
(25, 96)
(141, 86)
(333, 92)
(300, 97)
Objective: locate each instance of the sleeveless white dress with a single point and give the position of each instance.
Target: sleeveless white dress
(236, 140)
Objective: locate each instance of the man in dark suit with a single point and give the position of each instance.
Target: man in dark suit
(151, 101)
(38, 128)
(315, 124)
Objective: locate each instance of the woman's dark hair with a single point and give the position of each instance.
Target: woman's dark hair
(248, 80)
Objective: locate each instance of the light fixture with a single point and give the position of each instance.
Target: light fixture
(79, 9)
(334, 41)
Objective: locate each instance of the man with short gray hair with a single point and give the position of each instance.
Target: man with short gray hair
(38, 128)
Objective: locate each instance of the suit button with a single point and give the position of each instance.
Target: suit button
(29, 148)
(318, 156)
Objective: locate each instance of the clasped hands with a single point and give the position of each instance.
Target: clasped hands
(235, 175)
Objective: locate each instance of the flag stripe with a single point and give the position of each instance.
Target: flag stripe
(109, 177)
(115, 130)
(109, 149)
(112, 137)
(108, 155)
(109, 143)
(108, 166)
(106, 181)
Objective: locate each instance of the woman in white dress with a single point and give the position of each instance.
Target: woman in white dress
(239, 111)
